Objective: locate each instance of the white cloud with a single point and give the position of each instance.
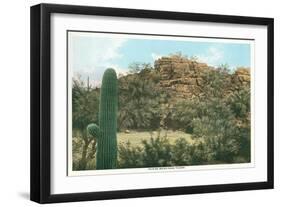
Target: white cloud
(213, 56)
(104, 51)
(119, 70)
(90, 56)
(90, 52)
(156, 56)
(108, 50)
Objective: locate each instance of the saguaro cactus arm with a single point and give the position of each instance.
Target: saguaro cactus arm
(94, 130)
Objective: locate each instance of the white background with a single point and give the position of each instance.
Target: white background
(14, 104)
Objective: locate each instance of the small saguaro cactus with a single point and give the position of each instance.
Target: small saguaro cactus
(105, 133)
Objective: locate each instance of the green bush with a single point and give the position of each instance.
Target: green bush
(153, 153)
(216, 126)
(140, 102)
(129, 156)
(159, 152)
(181, 153)
(156, 152)
(85, 102)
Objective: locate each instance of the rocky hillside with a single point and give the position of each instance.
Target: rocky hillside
(184, 78)
(155, 96)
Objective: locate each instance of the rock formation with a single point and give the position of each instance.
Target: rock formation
(183, 77)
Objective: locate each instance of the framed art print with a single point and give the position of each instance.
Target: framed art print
(133, 103)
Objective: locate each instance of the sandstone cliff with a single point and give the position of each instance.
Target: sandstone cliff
(183, 77)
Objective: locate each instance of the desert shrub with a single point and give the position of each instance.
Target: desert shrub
(215, 82)
(216, 126)
(221, 121)
(129, 156)
(244, 140)
(181, 153)
(137, 104)
(181, 116)
(222, 124)
(155, 152)
(199, 154)
(85, 106)
(159, 152)
(239, 102)
(84, 152)
(140, 100)
(188, 129)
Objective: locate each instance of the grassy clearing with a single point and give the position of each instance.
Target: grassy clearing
(135, 137)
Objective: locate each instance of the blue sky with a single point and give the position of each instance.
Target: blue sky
(91, 54)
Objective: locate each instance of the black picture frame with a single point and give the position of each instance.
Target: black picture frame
(41, 102)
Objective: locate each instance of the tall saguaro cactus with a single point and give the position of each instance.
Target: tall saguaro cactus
(106, 131)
